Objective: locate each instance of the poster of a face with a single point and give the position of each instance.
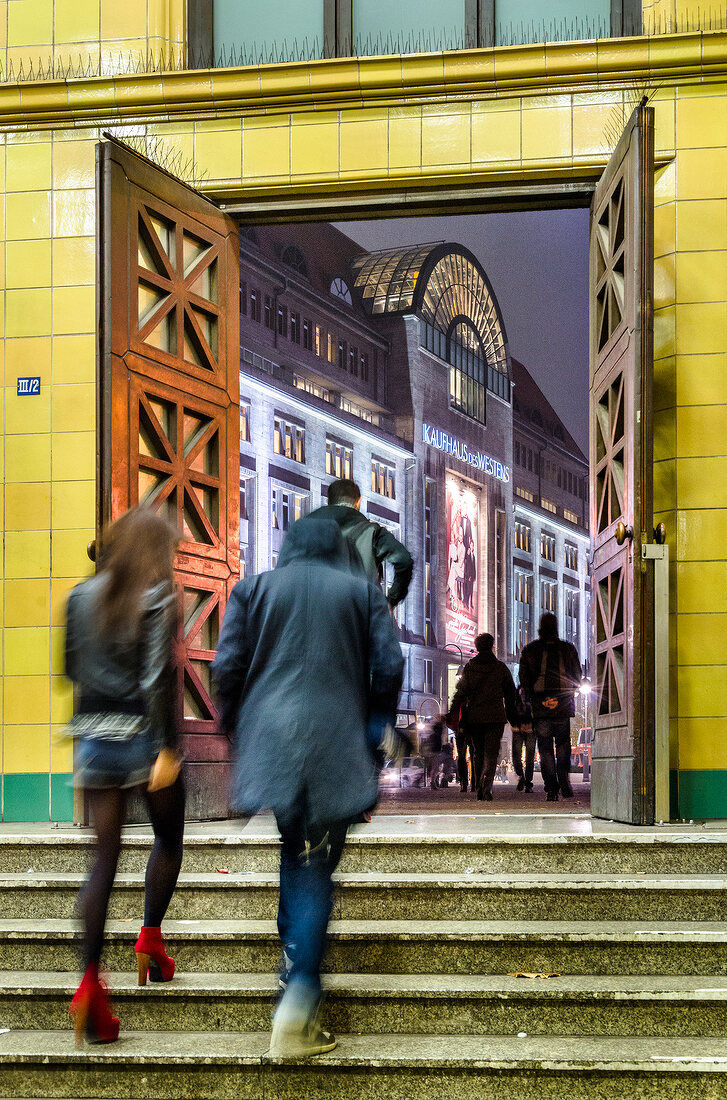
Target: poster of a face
(463, 547)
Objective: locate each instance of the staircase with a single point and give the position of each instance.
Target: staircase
(428, 932)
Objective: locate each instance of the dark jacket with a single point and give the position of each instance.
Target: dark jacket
(307, 655)
(485, 692)
(550, 674)
(374, 546)
(132, 678)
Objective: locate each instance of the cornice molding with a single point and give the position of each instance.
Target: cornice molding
(368, 81)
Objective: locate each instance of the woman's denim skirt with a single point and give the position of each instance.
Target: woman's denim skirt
(122, 762)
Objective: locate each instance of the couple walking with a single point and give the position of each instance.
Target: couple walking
(308, 672)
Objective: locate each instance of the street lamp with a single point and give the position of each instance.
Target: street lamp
(453, 645)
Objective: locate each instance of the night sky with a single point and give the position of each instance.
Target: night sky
(537, 263)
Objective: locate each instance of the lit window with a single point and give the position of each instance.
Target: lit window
(548, 596)
(331, 348)
(548, 505)
(383, 478)
(319, 341)
(547, 546)
(570, 516)
(289, 440)
(571, 556)
(520, 492)
(245, 421)
(305, 384)
(287, 507)
(522, 536)
(339, 459)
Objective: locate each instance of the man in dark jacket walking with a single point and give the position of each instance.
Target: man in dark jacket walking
(550, 674)
(371, 543)
(308, 672)
(486, 696)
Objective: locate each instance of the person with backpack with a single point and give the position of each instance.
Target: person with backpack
(370, 545)
(550, 674)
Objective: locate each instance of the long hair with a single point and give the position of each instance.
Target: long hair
(137, 553)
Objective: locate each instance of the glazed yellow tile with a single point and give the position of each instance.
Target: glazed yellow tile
(664, 422)
(364, 145)
(80, 56)
(664, 484)
(27, 312)
(701, 380)
(219, 153)
(702, 690)
(74, 260)
(266, 152)
(73, 504)
(314, 149)
(701, 225)
(701, 534)
(74, 213)
(57, 650)
(68, 552)
(74, 357)
(26, 701)
(127, 20)
(74, 408)
(701, 327)
(74, 164)
(701, 587)
(73, 455)
(26, 748)
(701, 276)
(19, 353)
(664, 125)
(664, 331)
(30, 24)
(702, 122)
(28, 264)
(547, 133)
(664, 228)
(665, 184)
(664, 280)
(28, 215)
(702, 482)
(61, 752)
(27, 507)
(405, 140)
(59, 590)
(61, 699)
(27, 457)
(27, 554)
(27, 651)
(24, 415)
(701, 430)
(702, 174)
(664, 389)
(76, 20)
(27, 603)
(446, 138)
(496, 136)
(74, 309)
(28, 167)
(590, 128)
(702, 743)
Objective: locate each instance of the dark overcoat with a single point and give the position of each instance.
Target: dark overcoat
(307, 654)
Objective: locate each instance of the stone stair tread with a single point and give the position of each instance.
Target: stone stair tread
(689, 987)
(558, 931)
(46, 1048)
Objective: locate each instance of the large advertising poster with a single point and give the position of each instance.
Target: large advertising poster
(463, 556)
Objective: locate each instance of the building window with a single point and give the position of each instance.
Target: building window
(339, 459)
(523, 608)
(244, 502)
(548, 596)
(289, 440)
(429, 500)
(570, 516)
(255, 305)
(291, 255)
(428, 676)
(331, 348)
(360, 412)
(522, 536)
(548, 505)
(364, 367)
(319, 342)
(524, 493)
(243, 298)
(383, 478)
(571, 556)
(245, 421)
(243, 562)
(307, 335)
(547, 546)
(353, 360)
(282, 321)
(268, 313)
(572, 608)
(305, 384)
(342, 354)
(287, 506)
(295, 327)
(339, 289)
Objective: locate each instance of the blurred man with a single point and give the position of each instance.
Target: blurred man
(308, 672)
(550, 674)
(372, 544)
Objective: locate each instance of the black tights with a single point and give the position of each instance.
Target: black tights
(108, 814)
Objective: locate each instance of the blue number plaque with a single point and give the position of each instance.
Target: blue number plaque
(28, 387)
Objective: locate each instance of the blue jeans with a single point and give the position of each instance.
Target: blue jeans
(555, 767)
(308, 857)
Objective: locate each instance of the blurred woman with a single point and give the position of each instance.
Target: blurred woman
(120, 626)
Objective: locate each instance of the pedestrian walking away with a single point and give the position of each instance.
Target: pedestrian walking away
(371, 547)
(308, 673)
(119, 631)
(523, 736)
(550, 674)
(484, 698)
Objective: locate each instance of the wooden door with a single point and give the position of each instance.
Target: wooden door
(621, 353)
(168, 411)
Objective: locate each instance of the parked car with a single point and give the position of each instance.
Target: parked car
(410, 773)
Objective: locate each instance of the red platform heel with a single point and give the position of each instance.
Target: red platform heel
(151, 957)
(90, 1011)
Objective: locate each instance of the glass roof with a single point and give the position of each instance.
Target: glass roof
(445, 285)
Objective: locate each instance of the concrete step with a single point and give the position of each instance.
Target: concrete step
(412, 848)
(254, 896)
(204, 1066)
(438, 1004)
(396, 946)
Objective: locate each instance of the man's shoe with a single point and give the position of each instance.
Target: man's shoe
(299, 1042)
(552, 796)
(566, 791)
(528, 788)
(520, 784)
